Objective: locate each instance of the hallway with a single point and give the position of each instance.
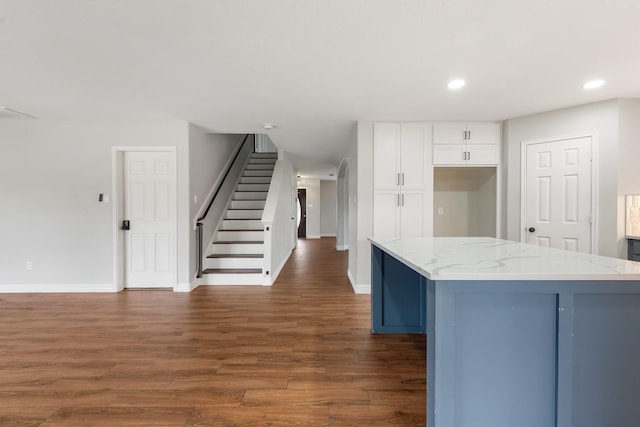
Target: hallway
(299, 353)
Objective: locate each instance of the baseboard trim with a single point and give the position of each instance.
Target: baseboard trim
(313, 236)
(358, 289)
(329, 235)
(30, 288)
(187, 287)
(341, 247)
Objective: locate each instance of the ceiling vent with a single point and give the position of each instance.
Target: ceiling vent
(8, 113)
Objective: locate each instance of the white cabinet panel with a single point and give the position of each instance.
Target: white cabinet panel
(416, 215)
(483, 133)
(483, 154)
(414, 156)
(386, 155)
(449, 154)
(386, 214)
(449, 133)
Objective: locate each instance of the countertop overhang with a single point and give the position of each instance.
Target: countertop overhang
(485, 258)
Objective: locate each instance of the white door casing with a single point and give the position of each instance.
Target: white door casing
(150, 207)
(558, 199)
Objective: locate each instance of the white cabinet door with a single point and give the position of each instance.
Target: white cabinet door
(449, 154)
(449, 133)
(414, 156)
(386, 214)
(483, 133)
(416, 214)
(386, 155)
(483, 154)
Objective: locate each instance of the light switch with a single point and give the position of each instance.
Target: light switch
(440, 211)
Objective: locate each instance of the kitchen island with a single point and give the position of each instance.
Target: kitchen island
(517, 335)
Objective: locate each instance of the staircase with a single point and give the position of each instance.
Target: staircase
(236, 255)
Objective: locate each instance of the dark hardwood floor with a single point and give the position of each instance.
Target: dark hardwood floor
(299, 353)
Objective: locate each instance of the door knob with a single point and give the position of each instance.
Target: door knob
(531, 229)
(125, 225)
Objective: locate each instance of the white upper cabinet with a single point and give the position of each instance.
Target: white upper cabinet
(386, 155)
(474, 143)
(401, 155)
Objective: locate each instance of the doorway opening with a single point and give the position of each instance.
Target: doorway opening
(302, 217)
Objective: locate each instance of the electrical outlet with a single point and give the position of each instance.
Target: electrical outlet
(29, 265)
(195, 199)
(440, 211)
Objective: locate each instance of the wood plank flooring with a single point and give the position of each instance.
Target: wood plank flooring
(299, 353)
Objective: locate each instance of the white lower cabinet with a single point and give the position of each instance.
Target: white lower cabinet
(406, 213)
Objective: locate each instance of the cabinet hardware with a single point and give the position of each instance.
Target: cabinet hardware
(398, 200)
(468, 155)
(403, 200)
(398, 178)
(464, 155)
(402, 178)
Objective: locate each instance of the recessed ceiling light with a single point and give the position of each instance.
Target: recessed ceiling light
(268, 126)
(593, 84)
(456, 84)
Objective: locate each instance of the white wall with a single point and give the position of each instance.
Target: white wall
(601, 118)
(342, 206)
(359, 154)
(328, 208)
(208, 156)
(312, 185)
(50, 176)
(279, 217)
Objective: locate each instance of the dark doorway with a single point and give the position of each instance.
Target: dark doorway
(302, 199)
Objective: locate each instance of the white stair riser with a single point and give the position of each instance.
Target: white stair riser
(247, 204)
(250, 195)
(242, 236)
(233, 279)
(273, 156)
(253, 187)
(257, 173)
(259, 166)
(260, 160)
(242, 224)
(233, 263)
(255, 180)
(244, 214)
(236, 248)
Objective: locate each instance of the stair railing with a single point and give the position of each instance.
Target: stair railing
(220, 183)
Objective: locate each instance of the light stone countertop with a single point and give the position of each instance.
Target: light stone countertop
(484, 258)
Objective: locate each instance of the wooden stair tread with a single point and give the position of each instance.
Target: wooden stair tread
(233, 271)
(235, 256)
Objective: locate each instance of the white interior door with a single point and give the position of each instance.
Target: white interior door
(558, 194)
(150, 208)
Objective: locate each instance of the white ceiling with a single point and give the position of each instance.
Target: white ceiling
(312, 67)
